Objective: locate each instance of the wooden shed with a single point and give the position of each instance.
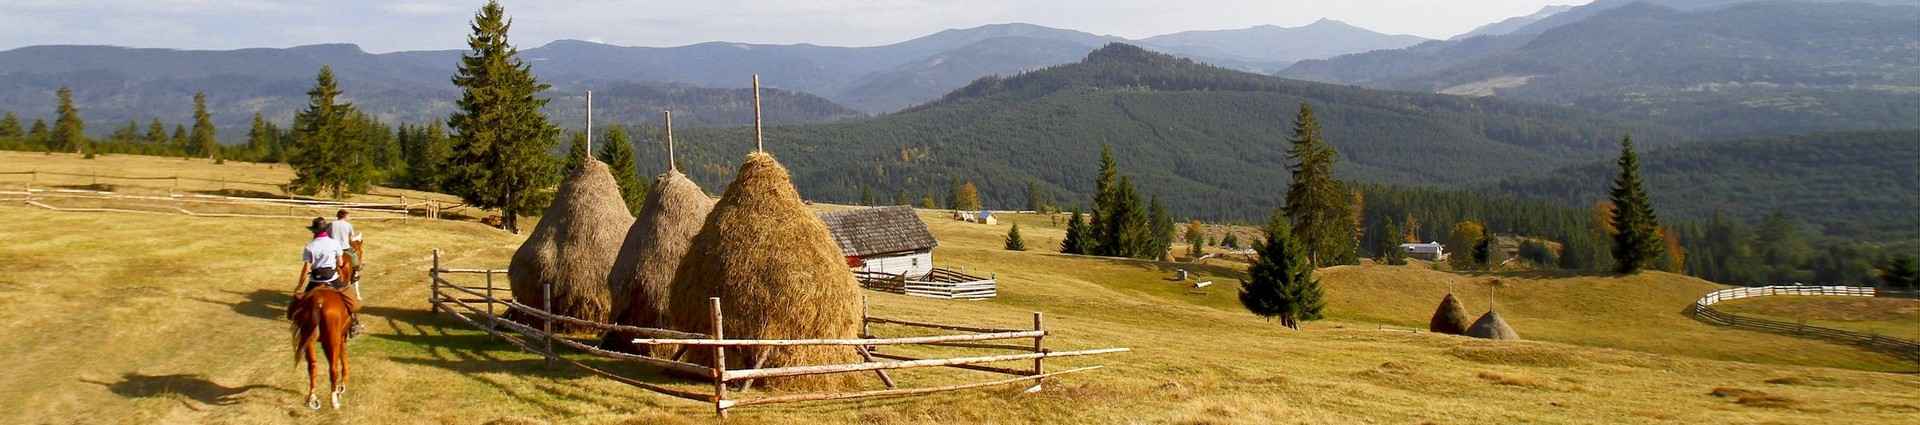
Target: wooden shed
(889, 240)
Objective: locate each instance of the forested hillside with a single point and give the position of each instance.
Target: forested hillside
(1856, 185)
(1208, 140)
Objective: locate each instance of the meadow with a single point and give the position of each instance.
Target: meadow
(170, 319)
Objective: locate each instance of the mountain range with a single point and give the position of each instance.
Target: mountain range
(117, 84)
(1734, 68)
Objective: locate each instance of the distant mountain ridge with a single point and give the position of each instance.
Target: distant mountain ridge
(1509, 25)
(115, 84)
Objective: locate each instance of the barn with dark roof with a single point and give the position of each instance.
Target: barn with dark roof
(889, 240)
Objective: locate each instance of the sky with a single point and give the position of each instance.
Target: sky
(394, 25)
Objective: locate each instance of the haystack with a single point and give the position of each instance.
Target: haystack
(1491, 326)
(778, 275)
(1450, 318)
(573, 248)
(643, 271)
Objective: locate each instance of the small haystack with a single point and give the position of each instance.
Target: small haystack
(1450, 318)
(1491, 326)
(778, 275)
(573, 248)
(658, 240)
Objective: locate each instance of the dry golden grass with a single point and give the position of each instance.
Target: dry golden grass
(129, 318)
(1895, 317)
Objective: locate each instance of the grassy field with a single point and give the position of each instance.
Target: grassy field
(137, 318)
(1895, 317)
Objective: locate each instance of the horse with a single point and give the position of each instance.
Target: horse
(321, 316)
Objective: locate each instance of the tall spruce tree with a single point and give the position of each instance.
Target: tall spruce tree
(69, 131)
(1316, 203)
(500, 138)
(424, 163)
(1160, 226)
(178, 142)
(203, 141)
(617, 153)
(1387, 241)
(1128, 232)
(258, 135)
(1103, 193)
(1036, 200)
(1014, 241)
(1280, 283)
(10, 126)
(1077, 235)
(126, 134)
(577, 151)
(1901, 274)
(156, 133)
(1636, 242)
(323, 158)
(38, 134)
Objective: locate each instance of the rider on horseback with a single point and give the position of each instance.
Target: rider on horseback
(344, 235)
(320, 265)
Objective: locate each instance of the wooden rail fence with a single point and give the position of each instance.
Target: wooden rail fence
(1703, 310)
(481, 308)
(88, 188)
(938, 283)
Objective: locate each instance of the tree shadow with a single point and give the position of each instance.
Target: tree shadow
(261, 303)
(193, 386)
(1527, 274)
(243, 193)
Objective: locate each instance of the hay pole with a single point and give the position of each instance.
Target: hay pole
(668, 117)
(899, 392)
(589, 122)
(719, 369)
(759, 145)
(854, 341)
(857, 367)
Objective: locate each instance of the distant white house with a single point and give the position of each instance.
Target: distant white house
(1430, 251)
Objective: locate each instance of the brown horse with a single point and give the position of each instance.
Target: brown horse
(322, 315)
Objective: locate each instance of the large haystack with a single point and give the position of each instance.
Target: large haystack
(573, 247)
(642, 273)
(1450, 318)
(778, 275)
(1491, 326)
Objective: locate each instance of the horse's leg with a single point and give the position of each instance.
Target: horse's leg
(330, 342)
(313, 369)
(338, 358)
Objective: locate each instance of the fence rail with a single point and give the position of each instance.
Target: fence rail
(459, 301)
(938, 283)
(1703, 310)
(83, 186)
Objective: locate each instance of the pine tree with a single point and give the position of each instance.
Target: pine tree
(500, 138)
(617, 152)
(1036, 201)
(156, 133)
(431, 150)
(1196, 238)
(866, 196)
(1231, 241)
(126, 134)
(1316, 203)
(965, 197)
(1901, 274)
(577, 151)
(257, 135)
(10, 126)
(178, 143)
(1387, 242)
(203, 140)
(1280, 283)
(1160, 228)
(926, 202)
(69, 131)
(1014, 242)
(1103, 199)
(1128, 232)
(1636, 243)
(1077, 235)
(323, 158)
(38, 133)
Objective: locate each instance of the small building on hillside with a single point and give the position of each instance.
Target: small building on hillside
(889, 240)
(1430, 251)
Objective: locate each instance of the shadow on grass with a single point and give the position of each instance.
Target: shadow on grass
(1529, 274)
(243, 193)
(261, 303)
(1168, 268)
(193, 386)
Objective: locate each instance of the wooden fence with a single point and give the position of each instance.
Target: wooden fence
(89, 187)
(1703, 310)
(939, 283)
(460, 301)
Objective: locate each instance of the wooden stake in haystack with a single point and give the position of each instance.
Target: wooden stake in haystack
(1490, 325)
(758, 144)
(589, 121)
(659, 239)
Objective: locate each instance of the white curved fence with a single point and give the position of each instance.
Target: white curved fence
(1702, 310)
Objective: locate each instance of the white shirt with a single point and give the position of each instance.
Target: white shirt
(341, 231)
(322, 253)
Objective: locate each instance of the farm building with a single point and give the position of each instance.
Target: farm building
(889, 240)
(1430, 251)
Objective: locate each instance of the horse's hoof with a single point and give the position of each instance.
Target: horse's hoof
(313, 403)
(336, 401)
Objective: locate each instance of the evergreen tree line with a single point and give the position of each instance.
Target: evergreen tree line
(1119, 225)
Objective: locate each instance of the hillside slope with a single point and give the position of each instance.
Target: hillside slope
(1209, 141)
(1860, 185)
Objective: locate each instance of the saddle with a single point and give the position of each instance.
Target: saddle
(298, 305)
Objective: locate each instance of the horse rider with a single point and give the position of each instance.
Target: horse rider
(320, 263)
(344, 235)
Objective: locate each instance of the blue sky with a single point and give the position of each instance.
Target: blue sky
(383, 26)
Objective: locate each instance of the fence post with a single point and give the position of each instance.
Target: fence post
(719, 360)
(32, 177)
(490, 301)
(175, 187)
(1037, 348)
(433, 278)
(546, 304)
